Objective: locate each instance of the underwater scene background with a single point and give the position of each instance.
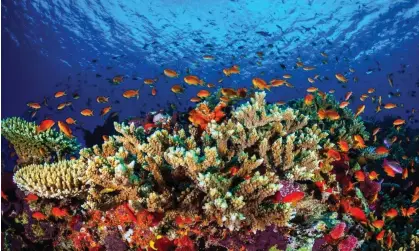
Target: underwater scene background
(210, 125)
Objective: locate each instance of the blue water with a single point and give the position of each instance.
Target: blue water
(48, 46)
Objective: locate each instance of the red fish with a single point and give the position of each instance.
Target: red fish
(293, 197)
(45, 125)
(343, 145)
(333, 154)
(391, 213)
(31, 197)
(381, 150)
(338, 231)
(407, 212)
(234, 170)
(39, 216)
(359, 175)
(379, 224)
(358, 214)
(58, 212)
(4, 196)
(64, 128)
(380, 235)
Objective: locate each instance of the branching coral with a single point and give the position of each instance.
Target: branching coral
(32, 147)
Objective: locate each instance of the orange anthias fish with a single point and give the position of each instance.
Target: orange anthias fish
(322, 114)
(202, 114)
(118, 79)
(333, 154)
(343, 104)
(358, 214)
(375, 131)
(391, 213)
(359, 141)
(373, 175)
(131, 94)
(86, 112)
(64, 128)
(348, 96)
(312, 81)
(170, 73)
(149, 81)
(380, 235)
(277, 82)
(398, 122)
(405, 173)
(203, 94)
(309, 68)
(193, 80)
(390, 106)
(260, 84)
(61, 106)
(33, 105)
(102, 99)
(287, 76)
(153, 91)
(45, 125)
(308, 99)
(39, 216)
(105, 110)
(341, 78)
(379, 224)
(60, 94)
(242, 92)
(371, 90)
(332, 115)
(177, 89)
(381, 150)
(31, 197)
(389, 171)
(359, 175)
(70, 121)
(195, 99)
(228, 92)
(148, 126)
(312, 89)
(235, 69)
(359, 110)
(389, 240)
(58, 212)
(4, 196)
(407, 212)
(293, 197)
(343, 145)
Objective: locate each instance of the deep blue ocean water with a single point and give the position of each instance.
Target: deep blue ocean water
(48, 46)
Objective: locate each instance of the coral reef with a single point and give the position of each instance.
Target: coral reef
(32, 147)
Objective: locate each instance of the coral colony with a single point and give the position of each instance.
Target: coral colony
(257, 177)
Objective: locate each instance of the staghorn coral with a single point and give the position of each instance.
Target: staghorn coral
(32, 147)
(57, 180)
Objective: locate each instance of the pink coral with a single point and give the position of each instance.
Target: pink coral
(348, 244)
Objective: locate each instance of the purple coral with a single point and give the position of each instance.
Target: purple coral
(114, 242)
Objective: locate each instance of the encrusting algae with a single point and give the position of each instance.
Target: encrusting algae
(230, 175)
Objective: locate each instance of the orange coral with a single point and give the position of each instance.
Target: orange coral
(202, 115)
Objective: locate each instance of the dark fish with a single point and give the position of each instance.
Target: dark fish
(98, 75)
(263, 33)
(283, 66)
(94, 60)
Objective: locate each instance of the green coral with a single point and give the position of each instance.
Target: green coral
(32, 147)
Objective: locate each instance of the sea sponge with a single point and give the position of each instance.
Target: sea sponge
(62, 179)
(32, 147)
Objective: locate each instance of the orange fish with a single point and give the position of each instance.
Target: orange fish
(65, 129)
(234, 170)
(31, 197)
(154, 92)
(177, 89)
(86, 112)
(333, 154)
(322, 114)
(407, 212)
(235, 69)
(415, 197)
(193, 80)
(118, 79)
(293, 197)
(373, 175)
(33, 105)
(287, 76)
(61, 106)
(312, 81)
(405, 173)
(148, 126)
(312, 89)
(379, 224)
(341, 78)
(391, 213)
(277, 82)
(299, 64)
(210, 85)
(39, 216)
(358, 214)
(170, 73)
(203, 94)
(390, 106)
(381, 150)
(308, 99)
(309, 68)
(389, 171)
(4, 196)
(359, 141)
(45, 125)
(260, 84)
(359, 110)
(343, 104)
(102, 99)
(376, 130)
(70, 121)
(195, 99)
(105, 110)
(380, 235)
(389, 241)
(208, 57)
(59, 94)
(343, 145)
(398, 122)
(348, 96)
(331, 91)
(242, 92)
(131, 94)
(363, 97)
(359, 175)
(58, 212)
(228, 92)
(371, 90)
(105, 137)
(332, 115)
